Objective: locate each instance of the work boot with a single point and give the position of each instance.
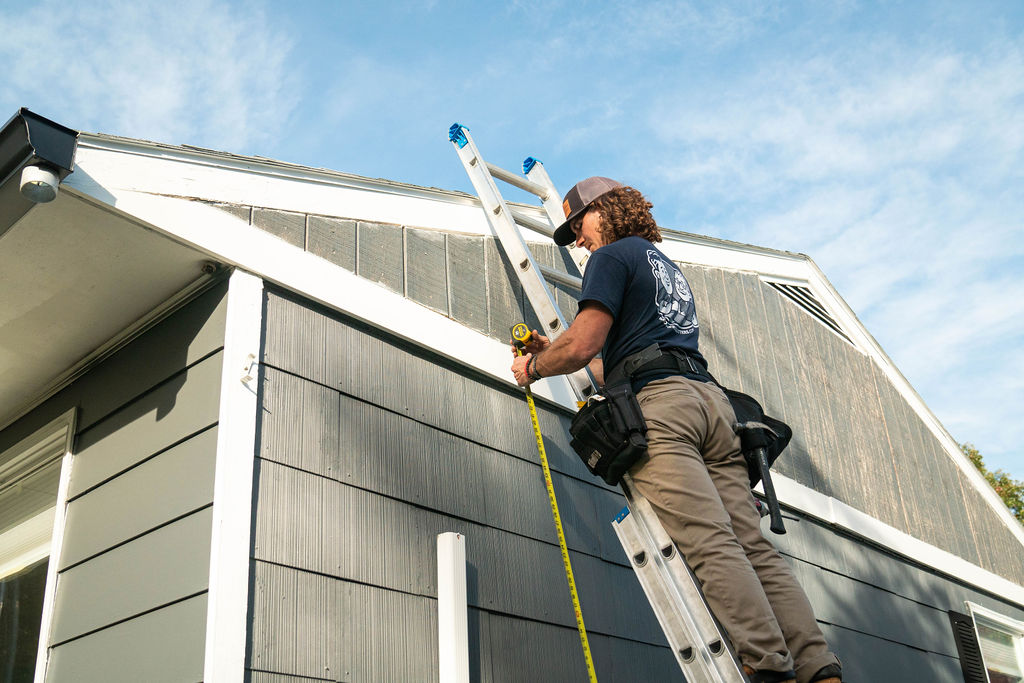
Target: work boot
(768, 676)
(828, 674)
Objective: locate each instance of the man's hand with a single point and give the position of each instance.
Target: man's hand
(519, 369)
(538, 342)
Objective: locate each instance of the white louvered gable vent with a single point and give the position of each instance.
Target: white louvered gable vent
(803, 297)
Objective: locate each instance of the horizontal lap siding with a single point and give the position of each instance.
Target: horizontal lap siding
(130, 601)
(166, 645)
(855, 439)
(368, 450)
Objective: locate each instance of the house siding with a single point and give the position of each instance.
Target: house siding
(369, 448)
(130, 602)
(855, 437)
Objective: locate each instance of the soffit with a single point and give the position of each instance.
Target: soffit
(73, 275)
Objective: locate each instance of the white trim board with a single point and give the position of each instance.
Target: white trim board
(48, 443)
(228, 599)
(843, 516)
(228, 239)
(31, 540)
(102, 171)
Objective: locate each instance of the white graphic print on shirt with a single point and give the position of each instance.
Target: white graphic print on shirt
(673, 297)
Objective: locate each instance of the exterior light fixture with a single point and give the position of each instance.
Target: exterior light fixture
(39, 184)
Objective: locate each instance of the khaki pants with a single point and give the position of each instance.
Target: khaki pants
(696, 479)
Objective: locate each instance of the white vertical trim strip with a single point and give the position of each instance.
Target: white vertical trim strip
(228, 597)
(68, 421)
(452, 617)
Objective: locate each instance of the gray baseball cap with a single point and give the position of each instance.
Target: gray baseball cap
(576, 201)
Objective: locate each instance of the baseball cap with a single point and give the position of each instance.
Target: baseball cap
(576, 201)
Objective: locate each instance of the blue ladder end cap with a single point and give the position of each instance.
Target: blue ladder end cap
(622, 515)
(457, 135)
(529, 163)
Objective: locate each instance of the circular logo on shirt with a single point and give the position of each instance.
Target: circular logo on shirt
(673, 297)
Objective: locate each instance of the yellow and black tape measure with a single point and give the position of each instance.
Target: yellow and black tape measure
(521, 336)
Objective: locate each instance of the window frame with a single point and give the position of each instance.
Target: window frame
(998, 622)
(43, 447)
(52, 442)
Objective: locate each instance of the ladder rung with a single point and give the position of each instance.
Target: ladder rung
(517, 180)
(522, 219)
(561, 278)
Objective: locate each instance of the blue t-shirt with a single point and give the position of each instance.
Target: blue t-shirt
(648, 298)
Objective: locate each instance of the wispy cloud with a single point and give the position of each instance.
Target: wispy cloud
(192, 71)
(899, 172)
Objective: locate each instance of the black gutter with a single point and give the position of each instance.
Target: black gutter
(30, 139)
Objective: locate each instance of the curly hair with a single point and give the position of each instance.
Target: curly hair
(624, 212)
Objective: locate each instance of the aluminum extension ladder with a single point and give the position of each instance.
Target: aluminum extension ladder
(700, 647)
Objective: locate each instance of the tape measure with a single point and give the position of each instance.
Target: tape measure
(521, 336)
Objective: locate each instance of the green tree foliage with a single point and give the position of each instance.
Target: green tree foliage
(1008, 488)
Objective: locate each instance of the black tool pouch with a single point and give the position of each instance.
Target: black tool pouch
(757, 430)
(608, 433)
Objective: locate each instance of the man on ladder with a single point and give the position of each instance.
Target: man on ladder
(635, 299)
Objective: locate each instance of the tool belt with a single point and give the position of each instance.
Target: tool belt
(609, 431)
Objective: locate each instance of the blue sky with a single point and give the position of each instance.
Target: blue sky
(885, 140)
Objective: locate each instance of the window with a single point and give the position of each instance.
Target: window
(31, 473)
(1001, 640)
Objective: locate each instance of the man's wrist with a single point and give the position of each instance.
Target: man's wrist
(531, 369)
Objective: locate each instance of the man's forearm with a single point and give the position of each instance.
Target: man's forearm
(561, 358)
(578, 346)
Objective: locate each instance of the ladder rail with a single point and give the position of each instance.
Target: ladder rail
(700, 647)
(536, 172)
(500, 220)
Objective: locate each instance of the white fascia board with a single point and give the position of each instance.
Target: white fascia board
(841, 515)
(104, 169)
(228, 597)
(734, 256)
(227, 239)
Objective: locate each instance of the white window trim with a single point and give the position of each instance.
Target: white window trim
(43, 535)
(35, 536)
(1000, 622)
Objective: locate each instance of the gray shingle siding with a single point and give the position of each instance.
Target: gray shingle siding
(369, 448)
(855, 438)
